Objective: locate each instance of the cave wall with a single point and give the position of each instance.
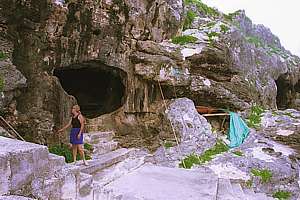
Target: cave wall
(47, 35)
(133, 36)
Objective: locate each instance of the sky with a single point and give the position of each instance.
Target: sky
(282, 17)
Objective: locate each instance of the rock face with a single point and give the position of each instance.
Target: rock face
(192, 131)
(228, 63)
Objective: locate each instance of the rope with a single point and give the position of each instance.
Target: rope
(15, 132)
(173, 130)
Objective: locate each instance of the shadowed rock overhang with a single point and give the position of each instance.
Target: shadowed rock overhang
(98, 88)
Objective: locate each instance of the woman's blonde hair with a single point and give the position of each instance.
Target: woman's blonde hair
(77, 108)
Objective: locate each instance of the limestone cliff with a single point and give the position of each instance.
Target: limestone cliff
(111, 55)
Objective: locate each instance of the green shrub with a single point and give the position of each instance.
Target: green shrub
(230, 16)
(208, 155)
(210, 24)
(254, 118)
(282, 195)
(3, 56)
(189, 161)
(249, 183)
(255, 40)
(238, 153)
(264, 174)
(224, 28)
(211, 35)
(203, 7)
(189, 18)
(88, 146)
(185, 39)
(168, 144)
(1, 83)
(65, 151)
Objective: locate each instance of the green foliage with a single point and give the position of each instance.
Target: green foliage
(211, 36)
(224, 28)
(184, 39)
(264, 174)
(254, 118)
(249, 183)
(289, 114)
(208, 155)
(88, 146)
(203, 7)
(1, 83)
(189, 161)
(189, 18)
(255, 40)
(65, 151)
(211, 24)
(3, 56)
(168, 144)
(230, 16)
(238, 153)
(282, 195)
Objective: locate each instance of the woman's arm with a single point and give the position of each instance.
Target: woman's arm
(81, 119)
(69, 124)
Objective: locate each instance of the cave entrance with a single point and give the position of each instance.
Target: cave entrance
(285, 93)
(98, 88)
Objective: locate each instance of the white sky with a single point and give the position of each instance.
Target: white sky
(282, 17)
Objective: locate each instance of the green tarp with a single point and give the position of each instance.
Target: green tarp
(238, 131)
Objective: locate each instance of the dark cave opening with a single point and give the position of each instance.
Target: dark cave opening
(98, 88)
(285, 93)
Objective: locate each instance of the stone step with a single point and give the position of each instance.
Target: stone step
(96, 137)
(238, 191)
(105, 147)
(249, 192)
(225, 191)
(262, 196)
(160, 183)
(251, 195)
(48, 188)
(20, 162)
(86, 187)
(114, 172)
(14, 197)
(56, 162)
(70, 178)
(100, 162)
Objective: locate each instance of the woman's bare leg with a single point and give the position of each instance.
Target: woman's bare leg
(81, 152)
(74, 151)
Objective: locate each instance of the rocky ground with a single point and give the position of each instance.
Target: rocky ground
(257, 169)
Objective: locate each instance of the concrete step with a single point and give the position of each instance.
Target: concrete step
(96, 137)
(225, 191)
(100, 162)
(86, 187)
(105, 147)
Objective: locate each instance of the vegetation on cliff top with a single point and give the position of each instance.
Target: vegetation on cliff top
(184, 39)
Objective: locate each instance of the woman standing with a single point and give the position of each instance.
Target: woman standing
(76, 134)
